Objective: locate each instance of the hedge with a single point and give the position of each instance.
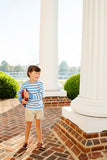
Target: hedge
(8, 86)
(72, 86)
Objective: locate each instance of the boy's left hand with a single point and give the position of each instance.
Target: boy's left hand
(26, 94)
(24, 102)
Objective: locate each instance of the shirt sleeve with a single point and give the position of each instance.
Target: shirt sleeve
(19, 93)
(37, 95)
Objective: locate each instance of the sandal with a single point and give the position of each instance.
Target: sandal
(25, 146)
(40, 146)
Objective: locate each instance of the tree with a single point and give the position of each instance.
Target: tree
(73, 69)
(5, 67)
(18, 68)
(79, 69)
(63, 67)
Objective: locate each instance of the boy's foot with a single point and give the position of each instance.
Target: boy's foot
(25, 146)
(40, 146)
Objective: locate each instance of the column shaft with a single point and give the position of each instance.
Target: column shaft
(92, 100)
(48, 56)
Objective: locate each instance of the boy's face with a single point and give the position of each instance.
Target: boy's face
(34, 76)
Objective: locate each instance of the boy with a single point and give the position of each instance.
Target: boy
(34, 105)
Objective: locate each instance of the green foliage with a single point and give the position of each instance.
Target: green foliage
(8, 86)
(72, 86)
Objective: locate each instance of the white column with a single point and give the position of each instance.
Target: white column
(48, 56)
(92, 100)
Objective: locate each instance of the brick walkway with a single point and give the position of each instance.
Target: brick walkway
(12, 125)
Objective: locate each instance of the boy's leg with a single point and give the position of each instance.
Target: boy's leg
(39, 135)
(27, 130)
(38, 130)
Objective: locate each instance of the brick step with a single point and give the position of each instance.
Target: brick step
(56, 101)
(85, 146)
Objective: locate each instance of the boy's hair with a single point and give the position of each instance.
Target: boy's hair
(32, 68)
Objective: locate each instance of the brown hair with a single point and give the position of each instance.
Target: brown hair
(32, 68)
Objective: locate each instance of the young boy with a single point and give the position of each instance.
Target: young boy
(34, 105)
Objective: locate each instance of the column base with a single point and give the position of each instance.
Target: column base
(81, 145)
(52, 87)
(53, 93)
(86, 123)
(90, 107)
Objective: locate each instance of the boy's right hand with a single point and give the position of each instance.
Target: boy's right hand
(24, 102)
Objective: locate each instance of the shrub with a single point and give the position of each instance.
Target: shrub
(72, 86)
(8, 86)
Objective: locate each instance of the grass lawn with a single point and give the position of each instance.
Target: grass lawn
(62, 81)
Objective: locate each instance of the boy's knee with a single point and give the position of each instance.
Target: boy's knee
(29, 124)
(38, 127)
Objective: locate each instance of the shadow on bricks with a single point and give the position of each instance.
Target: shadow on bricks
(19, 153)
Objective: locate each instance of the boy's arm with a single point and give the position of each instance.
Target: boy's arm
(37, 95)
(19, 93)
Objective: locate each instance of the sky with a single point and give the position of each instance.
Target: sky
(20, 31)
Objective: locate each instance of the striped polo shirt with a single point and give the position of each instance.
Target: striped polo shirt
(35, 91)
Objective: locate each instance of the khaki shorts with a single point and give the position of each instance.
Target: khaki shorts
(31, 114)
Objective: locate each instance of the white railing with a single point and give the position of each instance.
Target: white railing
(66, 75)
(23, 75)
(18, 75)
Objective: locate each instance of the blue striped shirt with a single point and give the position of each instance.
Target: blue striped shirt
(35, 91)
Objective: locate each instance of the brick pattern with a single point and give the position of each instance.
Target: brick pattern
(12, 126)
(82, 145)
(56, 101)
